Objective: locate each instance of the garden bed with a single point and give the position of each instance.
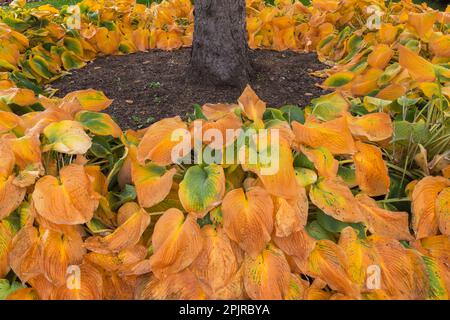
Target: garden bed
(150, 86)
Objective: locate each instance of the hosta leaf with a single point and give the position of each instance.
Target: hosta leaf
(158, 144)
(419, 68)
(330, 106)
(125, 236)
(324, 162)
(425, 219)
(371, 170)
(7, 288)
(335, 199)
(252, 106)
(266, 277)
(339, 79)
(248, 218)
(373, 127)
(202, 189)
(90, 99)
(69, 200)
(152, 182)
(333, 135)
(98, 123)
(177, 241)
(67, 137)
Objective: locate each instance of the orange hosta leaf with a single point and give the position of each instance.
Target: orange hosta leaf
(425, 221)
(366, 83)
(382, 222)
(374, 127)
(70, 200)
(380, 56)
(326, 165)
(335, 199)
(328, 262)
(418, 68)
(217, 263)
(88, 285)
(387, 33)
(107, 41)
(9, 121)
(371, 170)
(297, 288)
(59, 251)
(440, 45)
(333, 135)
(152, 182)
(126, 235)
(183, 285)
(27, 150)
(272, 161)
(18, 96)
(291, 214)
(266, 277)
(403, 271)
(422, 23)
(215, 112)
(251, 104)
(391, 92)
(11, 196)
(248, 218)
(202, 189)
(6, 236)
(177, 241)
(437, 247)
(443, 211)
(158, 142)
(25, 254)
(298, 246)
(23, 294)
(89, 99)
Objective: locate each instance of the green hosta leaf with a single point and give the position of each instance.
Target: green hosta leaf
(293, 113)
(98, 123)
(305, 177)
(7, 288)
(335, 226)
(202, 188)
(330, 106)
(316, 231)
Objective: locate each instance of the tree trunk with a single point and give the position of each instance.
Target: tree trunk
(220, 49)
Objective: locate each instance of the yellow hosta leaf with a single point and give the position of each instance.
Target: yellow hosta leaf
(371, 170)
(125, 236)
(387, 33)
(339, 79)
(425, 218)
(248, 218)
(335, 199)
(333, 135)
(67, 137)
(266, 277)
(177, 241)
(70, 200)
(100, 124)
(107, 41)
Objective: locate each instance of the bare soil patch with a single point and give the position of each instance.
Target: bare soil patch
(149, 86)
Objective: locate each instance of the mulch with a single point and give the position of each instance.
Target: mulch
(149, 86)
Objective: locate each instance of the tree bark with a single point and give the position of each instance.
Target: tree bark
(220, 49)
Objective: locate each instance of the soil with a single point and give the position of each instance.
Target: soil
(149, 86)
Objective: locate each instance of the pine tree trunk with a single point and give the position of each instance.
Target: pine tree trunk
(220, 50)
